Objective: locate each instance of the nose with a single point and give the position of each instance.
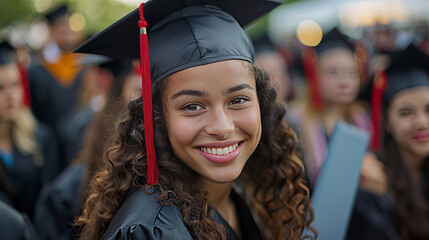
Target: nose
(422, 120)
(220, 123)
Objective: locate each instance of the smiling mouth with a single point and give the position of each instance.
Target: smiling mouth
(219, 151)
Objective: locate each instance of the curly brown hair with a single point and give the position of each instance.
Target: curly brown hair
(281, 201)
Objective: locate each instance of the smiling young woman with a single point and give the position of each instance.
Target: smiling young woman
(226, 161)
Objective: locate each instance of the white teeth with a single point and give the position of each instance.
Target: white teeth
(220, 151)
(225, 150)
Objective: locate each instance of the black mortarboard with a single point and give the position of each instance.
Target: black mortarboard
(408, 68)
(7, 53)
(334, 39)
(56, 13)
(180, 35)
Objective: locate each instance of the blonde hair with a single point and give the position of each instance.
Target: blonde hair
(24, 138)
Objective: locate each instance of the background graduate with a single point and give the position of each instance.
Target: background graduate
(28, 152)
(405, 140)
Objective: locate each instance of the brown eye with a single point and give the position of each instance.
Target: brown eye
(238, 100)
(192, 107)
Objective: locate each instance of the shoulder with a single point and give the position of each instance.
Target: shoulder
(67, 185)
(141, 216)
(14, 225)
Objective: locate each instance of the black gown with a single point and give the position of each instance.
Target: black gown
(15, 226)
(58, 205)
(141, 216)
(50, 101)
(24, 180)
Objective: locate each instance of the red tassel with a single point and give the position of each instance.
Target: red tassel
(24, 81)
(309, 60)
(152, 168)
(378, 88)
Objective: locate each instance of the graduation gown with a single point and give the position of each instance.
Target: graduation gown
(141, 216)
(58, 205)
(24, 180)
(49, 99)
(373, 218)
(13, 225)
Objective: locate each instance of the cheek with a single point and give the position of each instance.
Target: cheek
(398, 127)
(249, 121)
(326, 85)
(181, 130)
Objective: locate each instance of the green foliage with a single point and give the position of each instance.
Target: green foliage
(13, 11)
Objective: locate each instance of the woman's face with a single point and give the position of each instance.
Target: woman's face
(408, 121)
(213, 118)
(338, 76)
(10, 92)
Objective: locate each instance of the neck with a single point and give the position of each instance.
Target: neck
(413, 164)
(332, 114)
(218, 195)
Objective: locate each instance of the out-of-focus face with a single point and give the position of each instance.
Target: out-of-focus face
(408, 121)
(338, 76)
(213, 118)
(10, 92)
(276, 67)
(66, 39)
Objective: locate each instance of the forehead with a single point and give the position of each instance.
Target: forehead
(415, 96)
(209, 76)
(336, 55)
(8, 71)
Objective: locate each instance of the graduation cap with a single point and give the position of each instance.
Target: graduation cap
(334, 39)
(180, 35)
(57, 13)
(7, 53)
(408, 68)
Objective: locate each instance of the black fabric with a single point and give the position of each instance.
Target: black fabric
(71, 131)
(58, 205)
(56, 13)
(408, 68)
(25, 179)
(15, 226)
(141, 216)
(182, 34)
(373, 218)
(7, 53)
(247, 225)
(49, 99)
(334, 39)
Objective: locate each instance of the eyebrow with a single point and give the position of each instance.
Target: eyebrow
(238, 88)
(205, 94)
(189, 92)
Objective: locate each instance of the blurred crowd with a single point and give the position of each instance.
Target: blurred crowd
(59, 110)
